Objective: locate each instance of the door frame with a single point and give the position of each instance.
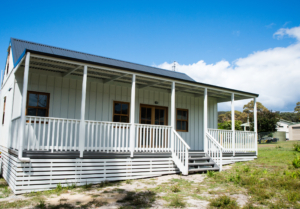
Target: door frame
(153, 113)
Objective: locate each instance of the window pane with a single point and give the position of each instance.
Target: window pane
(42, 100)
(32, 100)
(148, 121)
(179, 113)
(184, 124)
(125, 109)
(143, 122)
(31, 111)
(143, 113)
(161, 123)
(184, 115)
(156, 114)
(116, 118)
(156, 122)
(117, 108)
(178, 125)
(124, 119)
(162, 115)
(149, 113)
(42, 112)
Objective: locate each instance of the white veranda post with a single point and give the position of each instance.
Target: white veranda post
(23, 107)
(132, 111)
(82, 115)
(205, 119)
(172, 112)
(233, 123)
(255, 123)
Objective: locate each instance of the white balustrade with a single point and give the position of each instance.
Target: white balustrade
(214, 150)
(15, 124)
(107, 136)
(245, 141)
(152, 138)
(223, 137)
(180, 153)
(55, 134)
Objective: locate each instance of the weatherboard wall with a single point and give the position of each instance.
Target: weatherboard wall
(65, 101)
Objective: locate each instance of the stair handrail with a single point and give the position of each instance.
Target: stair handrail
(215, 150)
(180, 152)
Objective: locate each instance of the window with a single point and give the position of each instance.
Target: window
(3, 116)
(121, 112)
(182, 120)
(37, 104)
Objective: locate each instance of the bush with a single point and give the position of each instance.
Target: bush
(223, 202)
(296, 162)
(296, 147)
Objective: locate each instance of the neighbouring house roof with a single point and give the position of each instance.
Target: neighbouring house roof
(19, 48)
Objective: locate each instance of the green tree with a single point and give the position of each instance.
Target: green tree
(266, 121)
(297, 108)
(227, 125)
(226, 116)
(248, 108)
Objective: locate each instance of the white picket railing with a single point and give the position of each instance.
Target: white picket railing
(224, 137)
(15, 124)
(214, 150)
(46, 133)
(152, 138)
(107, 136)
(245, 141)
(180, 153)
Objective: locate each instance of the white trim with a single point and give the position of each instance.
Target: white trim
(82, 122)
(233, 123)
(132, 112)
(205, 100)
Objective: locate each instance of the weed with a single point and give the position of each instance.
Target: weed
(41, 204)
(139, 199)
(223, 202)
(210, 173)
(94, 203)
(293, 196)
(175, 188)
(59, 187)
(87, 186)
(296, 162)
(128, 181)
(246, 169)
(177, 202)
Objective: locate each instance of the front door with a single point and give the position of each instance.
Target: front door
(152, 115)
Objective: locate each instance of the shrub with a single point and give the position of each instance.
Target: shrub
(296, 162)
(296, 147)
(210, 173)
(223, 202)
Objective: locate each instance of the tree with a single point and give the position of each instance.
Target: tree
(226, 116)
(248, 108)
(227, 125)
(297, 108)
(266, 121)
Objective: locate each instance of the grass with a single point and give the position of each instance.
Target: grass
(224, 202)
(272, 178)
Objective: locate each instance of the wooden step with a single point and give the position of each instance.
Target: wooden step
(199, 158)
(203, 169)
(199, 164)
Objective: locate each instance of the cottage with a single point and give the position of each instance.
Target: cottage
(72, 117)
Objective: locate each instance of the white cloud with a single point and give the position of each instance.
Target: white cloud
(273, 73)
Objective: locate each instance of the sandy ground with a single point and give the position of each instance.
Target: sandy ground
(109, 196)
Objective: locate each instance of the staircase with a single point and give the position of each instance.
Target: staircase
(199, 162)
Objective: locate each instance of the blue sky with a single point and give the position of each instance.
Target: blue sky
(152, 32)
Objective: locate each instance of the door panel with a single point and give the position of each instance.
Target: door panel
(153, 115)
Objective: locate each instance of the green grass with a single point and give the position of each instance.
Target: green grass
(269, 179)
(224, 202)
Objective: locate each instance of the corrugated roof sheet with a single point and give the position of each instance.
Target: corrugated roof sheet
(19, 46)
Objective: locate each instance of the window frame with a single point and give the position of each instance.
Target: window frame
(39, 93)
(7, 62)
(187, 120)
(113, 109)
(4, 107)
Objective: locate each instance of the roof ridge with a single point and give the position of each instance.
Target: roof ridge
(95, 55)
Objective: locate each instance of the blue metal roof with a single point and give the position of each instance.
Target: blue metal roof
(20, 46)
